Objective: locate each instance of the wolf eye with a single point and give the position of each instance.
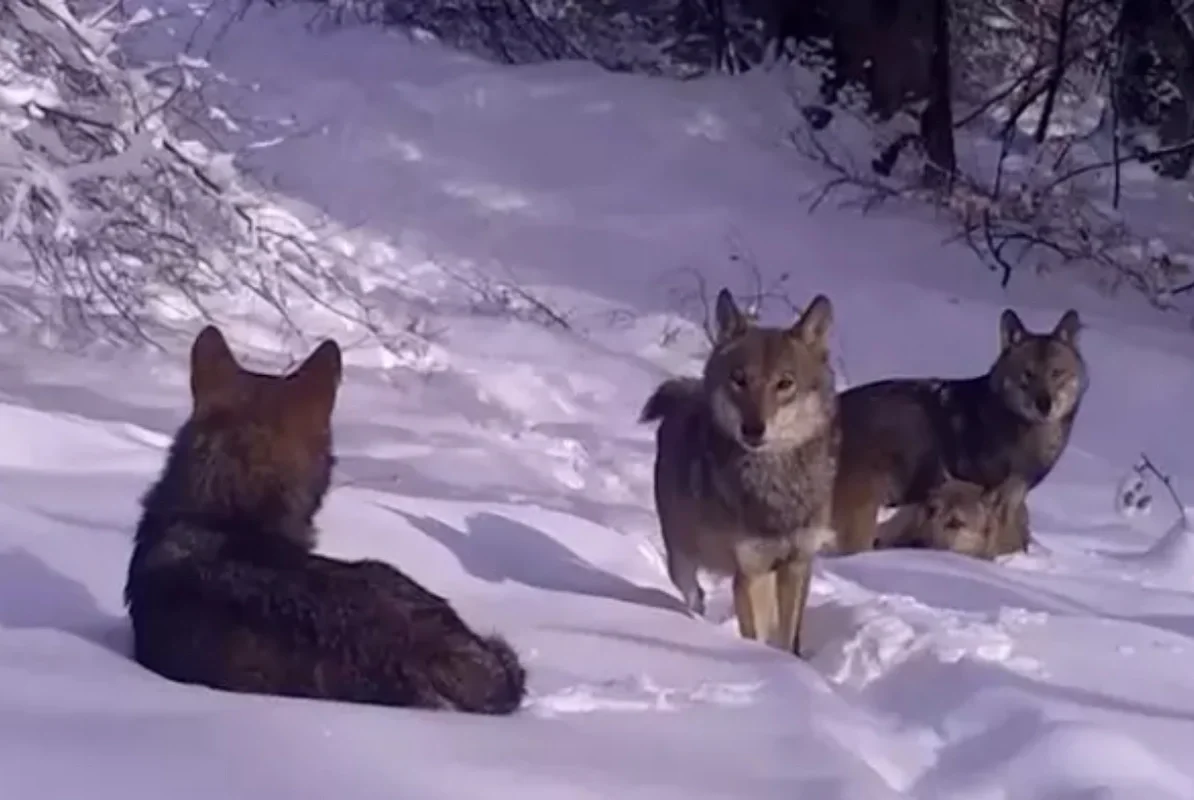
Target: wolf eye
(738, 378)
(784, 384)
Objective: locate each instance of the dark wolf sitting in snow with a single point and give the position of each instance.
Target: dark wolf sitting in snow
(744, 466)
(224, 589)
(902, 438)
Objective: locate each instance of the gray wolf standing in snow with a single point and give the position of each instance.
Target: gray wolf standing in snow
(964, 518)
(902, 438)
(744, 466)
(223, 587)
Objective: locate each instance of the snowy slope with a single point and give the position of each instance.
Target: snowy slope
(502, 466)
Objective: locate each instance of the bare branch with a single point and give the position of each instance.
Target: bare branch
(1059, 68)
(124, 228)
(1144, 157)
(1146, 465)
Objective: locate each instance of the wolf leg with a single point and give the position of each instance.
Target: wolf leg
(683, 572)
(856, 505)
(904, 529)
(792, 579)
(754, 604)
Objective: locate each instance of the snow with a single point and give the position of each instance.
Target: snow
(499, 462)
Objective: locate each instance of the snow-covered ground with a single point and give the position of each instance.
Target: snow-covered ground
(502, 466)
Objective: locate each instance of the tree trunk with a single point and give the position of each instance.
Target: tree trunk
(937, 121)
(1059, 62)
(1155, 83)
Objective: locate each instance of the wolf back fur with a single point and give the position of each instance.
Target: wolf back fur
(223, 588)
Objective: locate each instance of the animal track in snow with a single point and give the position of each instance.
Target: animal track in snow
(639, 693)
(891, 629)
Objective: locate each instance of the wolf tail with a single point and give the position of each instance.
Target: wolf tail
(669, 397)
(482, 676)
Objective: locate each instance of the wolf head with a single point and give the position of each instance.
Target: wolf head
(771, 388)
(968, 515)
(956, 515)
(1041, 377)
(256, 451)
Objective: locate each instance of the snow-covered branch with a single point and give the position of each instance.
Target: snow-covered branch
(114, 226)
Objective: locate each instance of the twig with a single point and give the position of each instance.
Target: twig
(876, 191)
(1145, 157)
(1113, 94)
(1146, 465)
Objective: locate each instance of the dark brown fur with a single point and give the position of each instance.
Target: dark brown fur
(901, 438)
(223, 587)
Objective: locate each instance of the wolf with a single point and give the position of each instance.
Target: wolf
(224, 589)
(901, 438)
(744, 465)
(965, 518)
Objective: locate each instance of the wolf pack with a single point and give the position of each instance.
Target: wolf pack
(761, 466)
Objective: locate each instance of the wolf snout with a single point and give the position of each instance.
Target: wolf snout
(1044, 404)
(753, 432)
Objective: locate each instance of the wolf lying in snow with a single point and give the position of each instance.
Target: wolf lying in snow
(965, 518)
(223, 587)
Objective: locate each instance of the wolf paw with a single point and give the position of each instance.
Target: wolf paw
(695, 602)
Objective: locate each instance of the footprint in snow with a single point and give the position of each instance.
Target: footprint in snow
(891, 630)
(639, 693)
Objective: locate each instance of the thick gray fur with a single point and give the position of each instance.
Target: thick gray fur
(902, 438)
(745, 459)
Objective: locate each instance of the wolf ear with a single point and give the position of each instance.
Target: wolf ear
(318, 378)
(1013, 490)
(213, 367)
(1007, 497)
(1011, 329)
(731, 322)
(1068, 327)
(813, 326)
(1016, 490)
